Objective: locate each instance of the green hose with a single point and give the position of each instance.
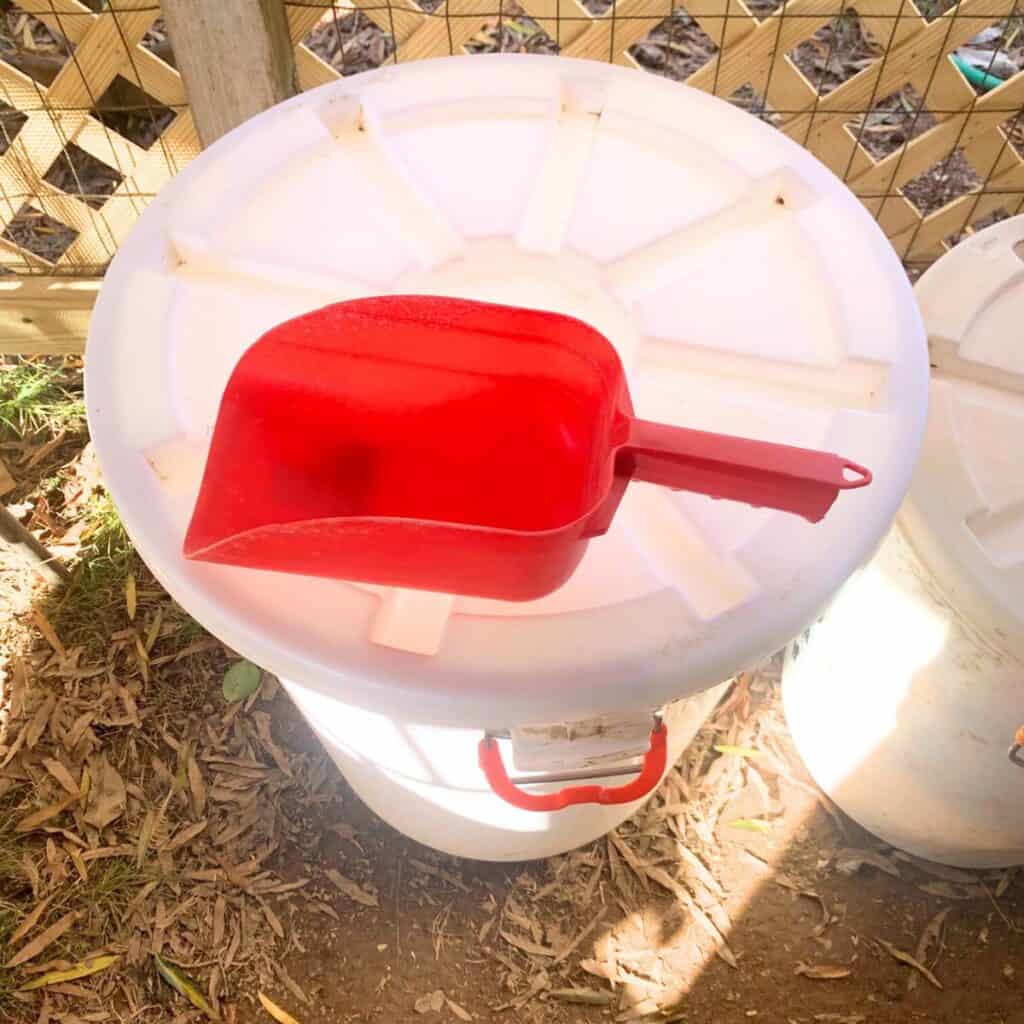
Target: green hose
(977, 77)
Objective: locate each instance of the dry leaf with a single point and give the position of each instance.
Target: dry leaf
(184, 836)
(28, 865)
(667, 882)
(184, 985)
(943, 871)
(130, 597)
(848, 862)
(39, 721)
(352, 889)
(62, 775)
(275, 1011)
(291, 984)
(619, 844)
(219, 910)
(37, 818)
(751, 825)
(7, 482)
(822, 972)
(704, 876)
(131, 709)
(726, 748)
(82, 970)
(458, 1010)
(272, 919)
(44, 939)
(145, 836)
(948, 891)
(786, 882)
(929, 936)
(584, 996)
(906, 958)
(531, 948)
(30, 922)
(600, 969)
(262, 720)
(107, 796)
(43, 624)
(76, 859)
(566, 950)
(538, 983)
(196, 785)
(12, 750)
(78, 730)
(645, 1008)
(1004, 882)
(436, 872)
(432, 1002)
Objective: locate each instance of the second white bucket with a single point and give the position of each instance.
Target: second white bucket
(904, 700)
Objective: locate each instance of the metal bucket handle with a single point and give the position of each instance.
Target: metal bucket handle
(647, 777)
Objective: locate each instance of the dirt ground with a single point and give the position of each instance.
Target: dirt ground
(144, 815)
(797, 898)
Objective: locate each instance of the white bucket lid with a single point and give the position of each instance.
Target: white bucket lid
(744, 287)
(965, 510)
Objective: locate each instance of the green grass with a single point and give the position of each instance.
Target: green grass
(106, 550)
(12, 882)
(92, 604)
(34, 397)
(114, 883)
(9, 918)
(111, 887)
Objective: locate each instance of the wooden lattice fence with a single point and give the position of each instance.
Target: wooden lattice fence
(91, 96)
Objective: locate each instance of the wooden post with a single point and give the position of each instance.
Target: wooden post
(235, 56)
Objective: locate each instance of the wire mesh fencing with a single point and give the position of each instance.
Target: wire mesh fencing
(915, 104)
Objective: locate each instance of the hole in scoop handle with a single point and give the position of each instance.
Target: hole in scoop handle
(650, 775)
(798, 480)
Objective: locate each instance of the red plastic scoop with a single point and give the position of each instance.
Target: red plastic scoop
(454, 446)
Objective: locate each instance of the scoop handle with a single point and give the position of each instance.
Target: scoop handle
(798, 480)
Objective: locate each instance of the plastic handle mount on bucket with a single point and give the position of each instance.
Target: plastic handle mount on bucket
(650, 775)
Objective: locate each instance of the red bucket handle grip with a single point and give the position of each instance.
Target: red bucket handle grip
(650, 775)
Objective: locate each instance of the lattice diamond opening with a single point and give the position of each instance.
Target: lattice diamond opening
(132, 113)
(513, 32)
(951, 178)
(891, 123)
(349, 42)
(76, 172)
(11, 122)
(34, 48)
(835, 53)
(676, 48)
(1013, 131)
(44, 237)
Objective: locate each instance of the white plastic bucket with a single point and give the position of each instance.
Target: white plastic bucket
(702, 243)
(425, 781)
(905, 698)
